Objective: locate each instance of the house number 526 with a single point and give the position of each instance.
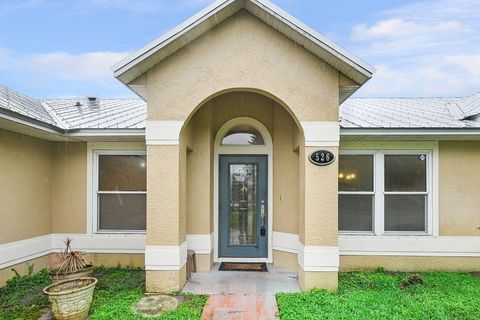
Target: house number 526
(321, 157)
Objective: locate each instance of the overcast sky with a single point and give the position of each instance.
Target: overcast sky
(57, 48)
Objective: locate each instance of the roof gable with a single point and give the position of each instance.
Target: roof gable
(144, 59)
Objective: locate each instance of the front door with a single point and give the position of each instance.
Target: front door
(243, 223)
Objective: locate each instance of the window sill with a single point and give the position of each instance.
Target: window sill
(120, 232)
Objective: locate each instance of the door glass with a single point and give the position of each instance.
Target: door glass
(243, 204)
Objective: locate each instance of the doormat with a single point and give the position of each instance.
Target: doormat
(243, 266)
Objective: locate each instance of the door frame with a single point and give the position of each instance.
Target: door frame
(267, 150)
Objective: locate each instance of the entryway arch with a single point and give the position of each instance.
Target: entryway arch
(245, 153)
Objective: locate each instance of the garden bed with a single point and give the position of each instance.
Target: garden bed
(116, 291)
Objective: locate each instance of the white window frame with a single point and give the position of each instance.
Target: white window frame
(96, 192)
(379, 191)
(372, 193)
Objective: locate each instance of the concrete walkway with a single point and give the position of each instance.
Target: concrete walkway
(241, 295)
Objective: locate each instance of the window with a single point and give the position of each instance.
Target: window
(121, 191)
(243, 135)
(384, 192)
(355, 183)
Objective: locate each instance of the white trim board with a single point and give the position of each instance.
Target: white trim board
(287, 242)
(318, 258)
(200, 243)
(163, 132)
(420, 246)
(16, 252)
(165, 257)
(321, 134)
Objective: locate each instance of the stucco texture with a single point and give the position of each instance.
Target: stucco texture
(164, 224)
(243, 52)
(459, 187)
(409, 264)
(308, 280)
(165, 281)
(26, 188)
(22, 268)
(320, 220)
(69, 189)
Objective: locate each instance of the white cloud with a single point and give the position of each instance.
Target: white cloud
(423, 49)
(399, 28)
(91, 66)
(143, 6)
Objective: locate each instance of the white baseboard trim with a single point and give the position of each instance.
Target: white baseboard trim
(422, 246)
(16, 252)
(318, 258)
(287, 242)
(200, 243)
(13, 253)
(24, 250)
(165, 258)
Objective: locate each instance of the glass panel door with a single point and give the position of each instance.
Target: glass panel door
(242, 206)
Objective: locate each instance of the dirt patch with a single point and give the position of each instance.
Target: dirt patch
(411, 281)
(475, 274)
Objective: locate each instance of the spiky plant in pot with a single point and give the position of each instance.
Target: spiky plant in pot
(70, 264)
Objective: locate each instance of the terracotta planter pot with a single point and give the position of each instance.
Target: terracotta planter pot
(84, 273)
(71, 299)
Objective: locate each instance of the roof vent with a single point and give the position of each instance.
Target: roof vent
(93, 102)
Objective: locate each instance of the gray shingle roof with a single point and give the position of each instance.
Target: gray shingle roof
(68, 114)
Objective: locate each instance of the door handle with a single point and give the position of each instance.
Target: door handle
(262, 217)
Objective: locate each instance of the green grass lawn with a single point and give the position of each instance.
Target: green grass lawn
(378, 295)
(116, 290)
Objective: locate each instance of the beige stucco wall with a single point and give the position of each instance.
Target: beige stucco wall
(325, 280)
(165, 281)
(46, 189)
(164, 221)
(243, 52)
(320, 224)
(459, 187)
(69, 192)
(26, 188)
(285, 260)
(409, 264)
(22, 268)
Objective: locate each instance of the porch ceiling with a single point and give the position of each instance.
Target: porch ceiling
(144, 59)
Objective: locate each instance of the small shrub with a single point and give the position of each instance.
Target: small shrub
(70, 260)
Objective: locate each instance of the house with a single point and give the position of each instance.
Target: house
(235, 150)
